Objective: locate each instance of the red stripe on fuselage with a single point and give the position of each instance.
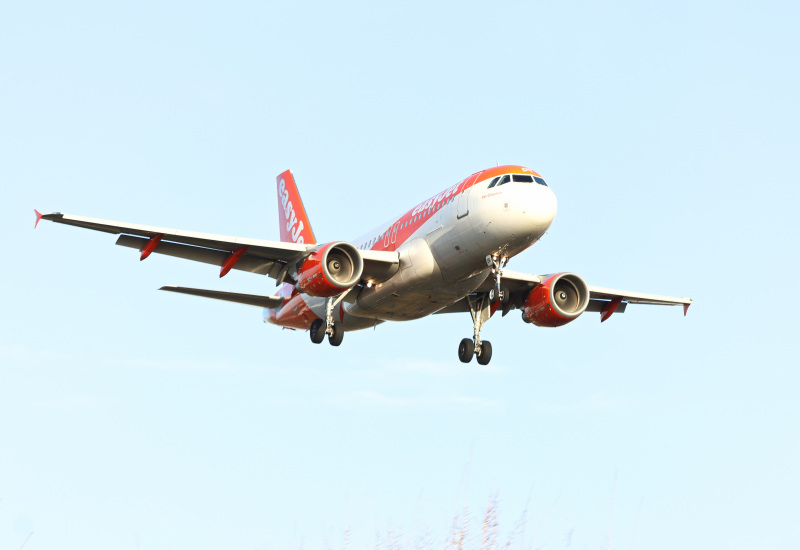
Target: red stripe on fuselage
(411, 221)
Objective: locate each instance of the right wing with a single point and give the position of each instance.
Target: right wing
(278, 260)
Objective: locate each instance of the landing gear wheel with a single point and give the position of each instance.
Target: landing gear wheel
(485, 354)
(503, 296)
(466, 349)
(317, 331)
(338, 334)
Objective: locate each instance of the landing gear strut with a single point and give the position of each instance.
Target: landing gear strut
(329, 326)
(499, 293)
(479, 309)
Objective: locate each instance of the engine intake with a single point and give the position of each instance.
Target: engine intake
(330, 270)
(561, 298)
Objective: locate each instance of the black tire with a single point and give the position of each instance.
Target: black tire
(338, 334)
(486, 353)
(494, 297)
(505, 296)
(317, 331)
(466, 349)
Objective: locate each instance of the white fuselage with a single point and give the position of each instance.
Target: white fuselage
(444, 258)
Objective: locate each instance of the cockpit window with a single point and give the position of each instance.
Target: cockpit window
(523, 178)
(539, 180)
(494, 182)
(504, 179)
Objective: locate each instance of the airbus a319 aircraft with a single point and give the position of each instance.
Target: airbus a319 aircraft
(448, 254)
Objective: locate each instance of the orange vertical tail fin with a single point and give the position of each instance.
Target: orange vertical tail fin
(293, 220)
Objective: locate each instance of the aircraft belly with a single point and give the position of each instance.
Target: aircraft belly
(411, 305)
(416, 302)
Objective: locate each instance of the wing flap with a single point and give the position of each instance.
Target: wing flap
(268, 302)
(597, 306)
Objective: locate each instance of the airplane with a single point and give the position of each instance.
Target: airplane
(447, 254)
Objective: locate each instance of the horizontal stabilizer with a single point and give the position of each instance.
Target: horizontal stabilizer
(269, 302)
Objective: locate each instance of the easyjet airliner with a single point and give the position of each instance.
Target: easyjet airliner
(447, 254)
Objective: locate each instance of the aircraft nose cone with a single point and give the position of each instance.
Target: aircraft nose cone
(541, 208)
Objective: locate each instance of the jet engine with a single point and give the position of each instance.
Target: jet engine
(330, 270)
(556, 301)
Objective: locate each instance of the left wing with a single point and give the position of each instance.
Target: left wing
(600, 293)
(601, 299)
(275, 259)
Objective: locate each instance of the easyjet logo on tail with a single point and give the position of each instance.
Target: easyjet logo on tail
(292, 217)
(292, 228)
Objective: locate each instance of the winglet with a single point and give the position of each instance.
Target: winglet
(686, 308)
(38, 218)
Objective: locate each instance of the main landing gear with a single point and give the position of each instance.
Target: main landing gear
(329, 326)
(499, 293)
(480, 311)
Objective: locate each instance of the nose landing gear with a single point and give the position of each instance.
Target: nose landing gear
(479, 308)
(499, 293)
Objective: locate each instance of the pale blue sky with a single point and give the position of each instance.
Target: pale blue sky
(131, 418)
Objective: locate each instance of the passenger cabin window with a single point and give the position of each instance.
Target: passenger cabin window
(504, 180)
(539, 180)
(494, 182)
(522, 178)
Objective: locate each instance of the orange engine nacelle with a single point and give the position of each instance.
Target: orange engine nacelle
(559, 299)
(330, 270)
